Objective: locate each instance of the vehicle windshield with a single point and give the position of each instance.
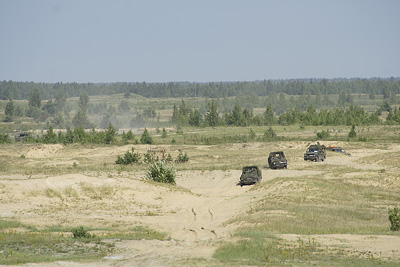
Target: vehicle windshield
(313, 150)
(250, 170)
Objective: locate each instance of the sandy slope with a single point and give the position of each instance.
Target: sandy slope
(193, 215)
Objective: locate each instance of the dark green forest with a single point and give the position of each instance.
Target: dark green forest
(374, 86)
(312, 102)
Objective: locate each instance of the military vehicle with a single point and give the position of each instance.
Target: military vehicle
(315, 153)
(337, 149)
(250, 175)
(23, 136)
(277, 160)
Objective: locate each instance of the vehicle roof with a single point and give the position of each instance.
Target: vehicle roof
(250, 167)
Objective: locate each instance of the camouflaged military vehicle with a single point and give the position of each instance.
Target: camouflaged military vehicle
(338, 149)
(315, 153)
(250, 175)
(277, 160)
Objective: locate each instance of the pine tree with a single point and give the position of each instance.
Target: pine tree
(212, 116)
(9, 111)
(352, 133)
(110, 134)
(146, 137)
(35, 100)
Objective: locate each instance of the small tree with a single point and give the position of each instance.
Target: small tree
(394, 218)
(110, 134)
(130, 135)
(269, 134)
(9, 111)
(164, 133)
(252, 134)
(35, 100)
(50, 137)
(323, 135)
(212, 115)
(352, 133)
(129, 158)
(146, 137)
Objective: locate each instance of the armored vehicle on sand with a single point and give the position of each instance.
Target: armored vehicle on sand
(277, 160)
(250, 175)
(315, 153)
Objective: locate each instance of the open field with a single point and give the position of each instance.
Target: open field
(332, 213)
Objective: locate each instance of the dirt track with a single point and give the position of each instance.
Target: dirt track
(193, 215)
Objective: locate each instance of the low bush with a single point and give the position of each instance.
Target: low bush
(269, 134)
(394, 218)
(323, 135)
(130, 157)
(81, 232)
(160, 171)
(182, 157)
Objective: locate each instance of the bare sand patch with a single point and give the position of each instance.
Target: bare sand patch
(43, 151)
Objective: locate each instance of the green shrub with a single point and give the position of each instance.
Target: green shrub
(146, 137)
(323, 135)
(50, 137)
(352, 133)
(269, 134)
(129, 158)
(164, 133)
(5, 139)
(182, 157)
(160, 171)
(252, 134)
(394, 218)
(81, 232)
(149, 158)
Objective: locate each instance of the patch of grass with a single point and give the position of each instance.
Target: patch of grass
(50, 192)
(4, 224)
(31, 247)
(70, 192)
(319, 206)
(98, 192)
(58, 244)
(260, 248)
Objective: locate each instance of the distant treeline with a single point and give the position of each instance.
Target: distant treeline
(373, 86)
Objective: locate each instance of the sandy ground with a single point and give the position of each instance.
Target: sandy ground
(193, 213)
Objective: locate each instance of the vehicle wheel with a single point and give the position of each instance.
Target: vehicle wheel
(285, 166)
(317, 159)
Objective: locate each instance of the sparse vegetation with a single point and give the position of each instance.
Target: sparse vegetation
(81, 232)
(182, 157)
(56, 244)
(394, 218)
(130, 157)
(323, 135)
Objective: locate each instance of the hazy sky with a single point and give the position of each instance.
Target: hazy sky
(197, 41)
